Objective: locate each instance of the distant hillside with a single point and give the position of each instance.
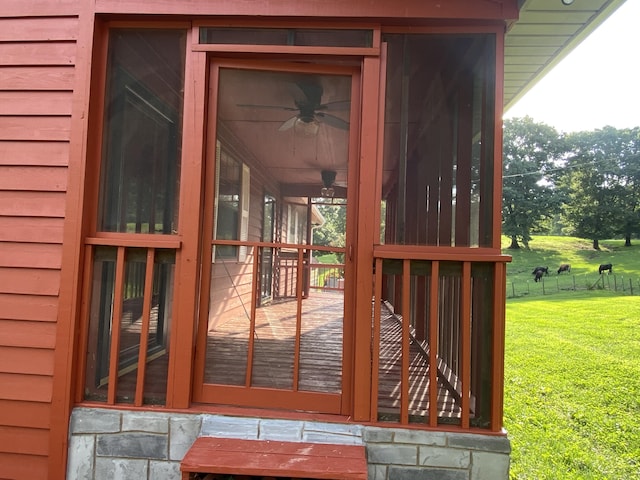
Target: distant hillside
(552, 251)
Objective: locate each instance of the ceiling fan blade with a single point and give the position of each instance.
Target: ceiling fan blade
(288, 124)
(332, 121)
(310, 88)
(335, 106)
(271, 107)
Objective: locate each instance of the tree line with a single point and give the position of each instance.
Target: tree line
(583, 184)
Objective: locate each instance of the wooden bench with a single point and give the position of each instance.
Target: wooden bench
(274, 459)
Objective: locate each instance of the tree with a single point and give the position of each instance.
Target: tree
(628, 201)
(332, 232)
(529, 199)
(597, 201)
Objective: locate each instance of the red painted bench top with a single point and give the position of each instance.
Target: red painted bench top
(274, 458)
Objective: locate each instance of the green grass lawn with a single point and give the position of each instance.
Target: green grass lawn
(572, 375)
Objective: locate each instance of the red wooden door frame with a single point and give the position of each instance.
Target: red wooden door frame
(266, 397)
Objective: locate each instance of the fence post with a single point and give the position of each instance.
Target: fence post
(574, 283)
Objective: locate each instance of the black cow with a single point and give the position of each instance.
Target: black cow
(565, 267)
(544, 270)
(538, 275)
(605, 267)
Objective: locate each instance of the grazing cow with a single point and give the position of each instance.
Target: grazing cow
(544, 270)
(605, 267)
(565, 267)
(538, 275)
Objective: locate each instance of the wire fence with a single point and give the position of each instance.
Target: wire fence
(550, 284)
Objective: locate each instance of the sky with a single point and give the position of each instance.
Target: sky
(597, 84)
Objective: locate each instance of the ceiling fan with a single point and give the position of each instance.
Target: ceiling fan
(330, 186)
(310, 111)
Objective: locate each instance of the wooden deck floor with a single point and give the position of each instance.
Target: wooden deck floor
(320, 347)
(320, 357)
(390, 371)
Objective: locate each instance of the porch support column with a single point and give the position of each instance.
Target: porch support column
(367, 234)
(184, 321)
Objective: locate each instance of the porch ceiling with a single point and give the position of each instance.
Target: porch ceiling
(546, 32)
(254, 110)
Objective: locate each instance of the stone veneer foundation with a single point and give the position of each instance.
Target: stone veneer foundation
(108, 444)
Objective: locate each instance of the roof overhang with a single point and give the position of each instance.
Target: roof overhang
(546, 32)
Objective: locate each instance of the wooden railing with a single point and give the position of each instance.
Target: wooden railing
(437, 330)
(128, 293)
(448, 304)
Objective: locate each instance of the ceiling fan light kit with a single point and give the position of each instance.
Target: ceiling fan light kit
(328, 177)
(306, 128)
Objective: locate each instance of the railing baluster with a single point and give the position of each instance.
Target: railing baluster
(433, 342)
(144, 330)
(405, 349)
(114, 351)
(255, 291)
(299, 281)
(375, 364)
(465, 320)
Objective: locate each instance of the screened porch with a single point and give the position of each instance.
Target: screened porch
(225, 303)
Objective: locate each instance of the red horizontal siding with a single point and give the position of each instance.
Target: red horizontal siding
(34, 153)
(32, 204)
(34, 128)
(38, 53)
(30, 361)
(17, 333)
(34, 441)
(24, 414)
(45, 179)
(35, 255)
(36, 78)
(23, 466)
(29, 281)
(31, 229)
(35, 103)
(36, 308)
(28, 388)
(39, 8)
(39, 28)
